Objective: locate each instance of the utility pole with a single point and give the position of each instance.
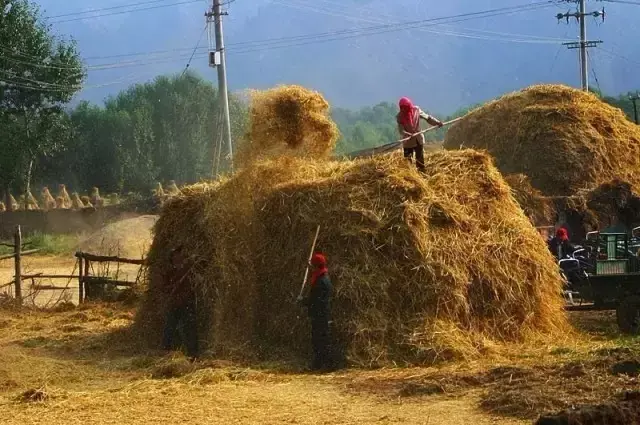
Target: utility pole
(217, 60)
(634, 98)
(581, 14)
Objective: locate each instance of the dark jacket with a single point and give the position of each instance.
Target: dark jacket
(555, 243)
(319, 301)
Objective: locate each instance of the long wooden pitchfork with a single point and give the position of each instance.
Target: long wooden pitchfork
(306, 272)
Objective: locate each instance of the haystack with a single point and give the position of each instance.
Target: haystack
(86, 201)
(64, 195)
(172, 189)
(14, 203)
(32, 203)
(563, 139)
(76, 202)
(96, 199)
(538, 208)
(3, 208)
(158, 191)
(425, 267)
(48, 202)
(61, 204)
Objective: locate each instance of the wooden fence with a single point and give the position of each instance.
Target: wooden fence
(88, 282)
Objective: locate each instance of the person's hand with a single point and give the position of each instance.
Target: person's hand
(300, 299)
(440, 124)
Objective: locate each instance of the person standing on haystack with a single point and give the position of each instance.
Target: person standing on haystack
(319, 305)
(182, 306)
(408, 120)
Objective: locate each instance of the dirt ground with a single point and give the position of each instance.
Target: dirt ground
(82, 366)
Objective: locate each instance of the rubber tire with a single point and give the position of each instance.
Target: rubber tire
(628, 315)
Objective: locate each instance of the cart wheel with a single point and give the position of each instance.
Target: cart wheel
(628, 315)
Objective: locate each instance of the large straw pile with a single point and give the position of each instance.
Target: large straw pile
(561, 138)
(424, 267)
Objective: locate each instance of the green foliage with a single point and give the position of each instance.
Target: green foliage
(158, 131)
(47, 244)
(39, 74)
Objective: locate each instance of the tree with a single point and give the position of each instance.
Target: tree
(158, 131)
(39, 74)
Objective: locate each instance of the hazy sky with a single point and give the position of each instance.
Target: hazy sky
(443, 66)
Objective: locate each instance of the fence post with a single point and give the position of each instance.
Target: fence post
(86, 272)
(80, 280)
(17, 241)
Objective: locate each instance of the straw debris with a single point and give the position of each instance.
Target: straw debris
(290, 120)
(563, 139)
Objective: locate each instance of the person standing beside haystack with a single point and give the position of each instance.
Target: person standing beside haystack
(319, 305)
(559, 245)
(408, 120)
(181, 312)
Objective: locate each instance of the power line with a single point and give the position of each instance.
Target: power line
(283, 42)
(286, 42)
(593, 71)
(194, 49)
(102, 9)
(125, 11)
(623, 2)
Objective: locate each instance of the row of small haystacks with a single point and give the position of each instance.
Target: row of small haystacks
(425, 267)
(560, 148)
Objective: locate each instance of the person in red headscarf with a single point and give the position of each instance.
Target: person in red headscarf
(559, 245)
(319, 305)
(408, 120)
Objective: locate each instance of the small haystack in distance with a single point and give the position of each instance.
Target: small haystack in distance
(172, 188)
(32, 203)
(563, 139)
(48, 202)
(64, 196)
(158, 191)
(14, 203)
(114, 199)
(425, 267)
(86, 201)
(76, 202)
(96, 199)
(289, 119)
(61, 204)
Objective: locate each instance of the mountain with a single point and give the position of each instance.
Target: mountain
(442, 67)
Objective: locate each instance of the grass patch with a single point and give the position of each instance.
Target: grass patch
(46, 243)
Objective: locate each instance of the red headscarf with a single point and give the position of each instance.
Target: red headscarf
(407, 115)
(320, 262)
(562, 234)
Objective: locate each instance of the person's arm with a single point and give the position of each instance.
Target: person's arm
(431, 120)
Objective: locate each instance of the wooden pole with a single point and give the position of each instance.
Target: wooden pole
(17, 240)
(306, 273)
(85, 275)
(80, 282)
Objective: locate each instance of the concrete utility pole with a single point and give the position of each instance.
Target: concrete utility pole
(634, 98)
(581, 15)
(217, 60)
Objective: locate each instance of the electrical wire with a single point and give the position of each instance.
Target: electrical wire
(321, 37)
(194, 49)
(102, 9)
(623, 2)
(125, 11)
(593, 71)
